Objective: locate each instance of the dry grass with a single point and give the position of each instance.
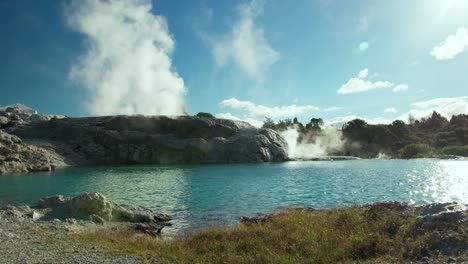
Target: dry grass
(294, 236)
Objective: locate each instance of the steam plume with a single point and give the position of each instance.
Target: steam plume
(324, 144)
(127, 65)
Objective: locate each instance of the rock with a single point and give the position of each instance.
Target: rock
(71, 221)
(35, 216)
(54, 201)
(97, 219)
(89, 204)
(96, 208)
(439, 208)
(155, 140)
(151, 229)
(138, 215)
(9, 140)
(16, 157)
(4, 121)
(379, 210)
(260, 219)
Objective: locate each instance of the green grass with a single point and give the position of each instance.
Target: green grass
(351, 235)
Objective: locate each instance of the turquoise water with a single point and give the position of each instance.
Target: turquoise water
(205, 195)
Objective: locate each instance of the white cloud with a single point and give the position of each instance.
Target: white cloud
(259, 111)
(252, 121)
(246, 45)
(333, 109)
(390, 110)
(339, 121)
(446, 106)
(127, 65)
(451, 46)
(359, 84)
(363, 74)
(400, 88)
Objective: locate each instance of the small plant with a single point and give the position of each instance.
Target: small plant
(351, 235)
(205, 115)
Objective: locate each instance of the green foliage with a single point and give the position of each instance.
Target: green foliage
(268, 123)
(416, 151)
(454, 150)
(315, 123)
(205, 115)
(367, 141)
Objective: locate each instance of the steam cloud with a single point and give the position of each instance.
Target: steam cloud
(127, 65)
(325, 144)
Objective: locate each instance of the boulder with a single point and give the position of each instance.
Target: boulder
(35, 216)
(137, 214)
(96, 208)
(89, 204)
(441, 216)
(4, 121)
(53, 201)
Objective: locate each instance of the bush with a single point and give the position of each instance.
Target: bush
(205, 115)
(454, 150)
(412, 151)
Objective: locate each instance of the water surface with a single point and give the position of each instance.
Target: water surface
(204, 195)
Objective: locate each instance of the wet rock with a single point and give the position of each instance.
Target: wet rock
(138, 214)
(151, 229)
(53, 201)
(260, 219)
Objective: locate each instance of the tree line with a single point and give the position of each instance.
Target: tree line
(434, 135)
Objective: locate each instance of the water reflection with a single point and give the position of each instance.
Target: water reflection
(200, 196)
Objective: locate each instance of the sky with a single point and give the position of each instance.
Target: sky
(247, 60)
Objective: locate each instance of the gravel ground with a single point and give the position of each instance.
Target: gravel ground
(24, 241)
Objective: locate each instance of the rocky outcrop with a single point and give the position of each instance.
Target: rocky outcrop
(18, 115)
(115, 140)
(96, 208)
(16, 157)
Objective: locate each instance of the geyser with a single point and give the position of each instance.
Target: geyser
(324, 143)
(127, 64)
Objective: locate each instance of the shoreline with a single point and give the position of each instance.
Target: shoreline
(84, 241)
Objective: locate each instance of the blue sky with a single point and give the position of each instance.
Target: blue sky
(377, 60)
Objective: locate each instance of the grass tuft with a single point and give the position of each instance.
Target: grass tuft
(344, 235)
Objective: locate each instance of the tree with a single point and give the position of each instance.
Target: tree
(268, 123)
(411, 119)
(415, 151)
(315, 123)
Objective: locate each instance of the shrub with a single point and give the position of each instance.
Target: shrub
(205, 115)
(454, 150)
(415, 151)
